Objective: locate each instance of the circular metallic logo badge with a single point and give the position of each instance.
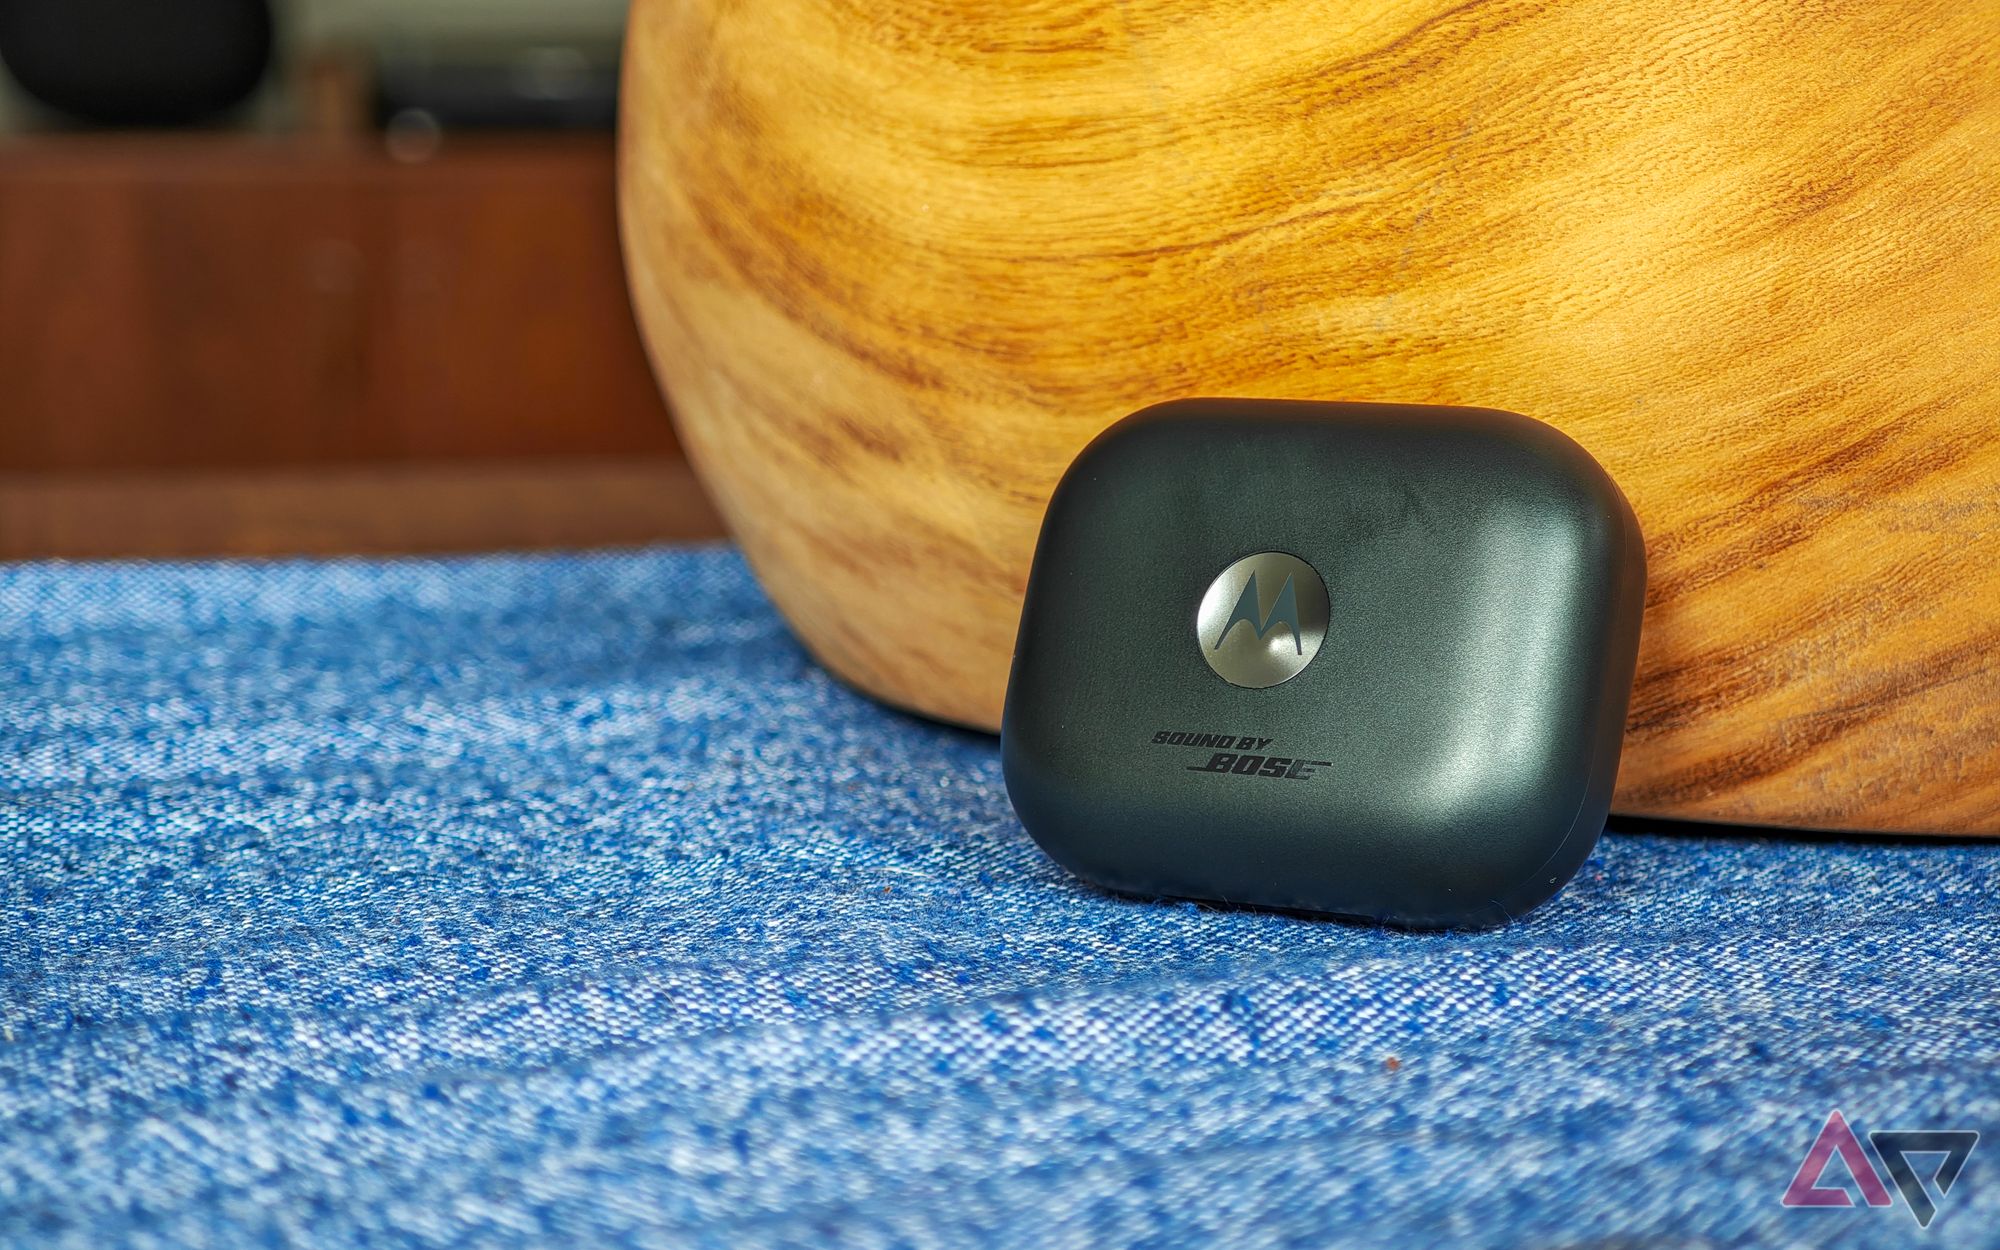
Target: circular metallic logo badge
(1262, 620)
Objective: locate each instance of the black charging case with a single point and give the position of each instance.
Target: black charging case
(1363, 659)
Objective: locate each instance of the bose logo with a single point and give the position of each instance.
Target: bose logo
(1281, 639)
(1283, 767)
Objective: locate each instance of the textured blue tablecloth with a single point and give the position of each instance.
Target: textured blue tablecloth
(521, 901)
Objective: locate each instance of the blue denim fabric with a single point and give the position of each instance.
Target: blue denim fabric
(517, 901)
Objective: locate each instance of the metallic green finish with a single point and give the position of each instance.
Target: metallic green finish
(1447, 756)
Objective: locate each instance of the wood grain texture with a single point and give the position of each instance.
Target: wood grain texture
(896, 263)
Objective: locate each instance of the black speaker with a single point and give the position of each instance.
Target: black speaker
(137, 62)
(1363, 659)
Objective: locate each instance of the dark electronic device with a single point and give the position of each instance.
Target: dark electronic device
(1363, 659)
(500, 86)
(137, 62)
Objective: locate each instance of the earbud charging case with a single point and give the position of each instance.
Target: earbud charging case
(1363, 659)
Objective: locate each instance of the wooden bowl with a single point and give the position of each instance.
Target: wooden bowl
(897, 263)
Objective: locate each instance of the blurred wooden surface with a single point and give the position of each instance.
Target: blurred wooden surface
(1747, 255)
(382, 509)
(207, 301)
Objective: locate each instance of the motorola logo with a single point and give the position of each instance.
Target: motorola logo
(1262, 620)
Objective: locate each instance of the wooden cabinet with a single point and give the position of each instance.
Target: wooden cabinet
(226, 302)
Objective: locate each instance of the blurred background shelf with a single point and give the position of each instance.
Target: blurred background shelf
(382, 509)
(379, 305)
(217, 300)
